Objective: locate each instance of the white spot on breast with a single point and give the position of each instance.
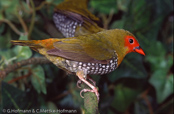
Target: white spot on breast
(111, 61)
(84, 64)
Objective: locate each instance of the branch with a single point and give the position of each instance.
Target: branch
(11, 68)
(32, 19)
(24, 26)
(106, 20)
(90, 101)
(144, 96)
(20, 77)
(12, 26)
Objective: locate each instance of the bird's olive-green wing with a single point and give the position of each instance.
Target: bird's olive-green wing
(72, 18)
(83, 49)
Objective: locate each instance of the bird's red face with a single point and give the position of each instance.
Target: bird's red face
(133, 46)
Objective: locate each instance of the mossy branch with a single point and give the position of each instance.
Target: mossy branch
(90, 101)
(11, 68)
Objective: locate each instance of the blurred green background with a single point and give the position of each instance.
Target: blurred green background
(141, 84)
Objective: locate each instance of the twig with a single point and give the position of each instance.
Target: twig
(106, 20)
(44, 3)
(32, 19)
(41, 5)
(10, 68)
(144, 96)
(12, 26)
(22, 23)
(21, 77)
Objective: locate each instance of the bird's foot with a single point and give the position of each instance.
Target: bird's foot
(89, 78)
(81, 74)
(95, 90)
(78, 83)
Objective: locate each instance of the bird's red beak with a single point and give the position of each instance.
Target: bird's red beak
(139, 50)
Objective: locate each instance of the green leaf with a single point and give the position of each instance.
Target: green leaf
(38, 79)
(56, 2)
(118, 24)
(13, 98)
(104, 6)
(160, 65)
(124, 96)
(123, 4)
(11, 7)
(162, 83)
(49, 1)
(156, 57)
(6, 3)
(131, 67)
(53, 107)
(140, 107)
(156, 48)
(1, 17)
(4, 39)
(7, 57)
(22, 52)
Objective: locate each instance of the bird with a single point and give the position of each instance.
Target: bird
(72, 18)
(98, 53)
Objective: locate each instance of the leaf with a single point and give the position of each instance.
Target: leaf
(1, 16)
(56, 1)
(160, 65)
(38, 79)
(156, 48)
(13, 98)
(6, 57)
(53, 107)
(156, 56)
(123, 4)
(22, 52)
(124, 96)
(4, 39)
(131, 67)
(140, 107)
(118, 24)
(10, 7)
(162, 84)
(104, 6)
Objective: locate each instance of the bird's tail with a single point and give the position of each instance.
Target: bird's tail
(36, 44)
(30, 43)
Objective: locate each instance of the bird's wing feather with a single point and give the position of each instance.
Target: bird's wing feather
(72, 18)
(85, 50)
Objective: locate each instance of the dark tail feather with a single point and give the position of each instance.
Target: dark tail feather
(30, 43)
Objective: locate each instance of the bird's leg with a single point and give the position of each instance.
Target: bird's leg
(88, 77)
(81, 74)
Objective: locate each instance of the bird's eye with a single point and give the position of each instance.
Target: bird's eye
(131, 41)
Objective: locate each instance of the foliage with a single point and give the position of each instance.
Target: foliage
(140, 84)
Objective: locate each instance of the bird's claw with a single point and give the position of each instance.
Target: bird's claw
(81, 74)
(95, 90)
(94, 83)
(80, 81)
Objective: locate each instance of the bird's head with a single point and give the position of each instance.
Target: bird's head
(132, 45)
